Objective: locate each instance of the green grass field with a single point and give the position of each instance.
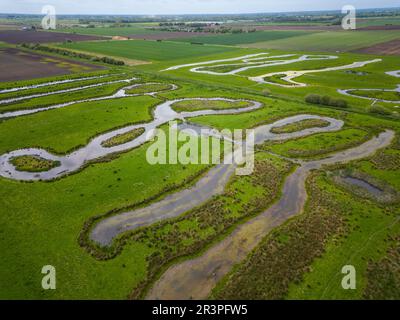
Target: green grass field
(106, 31)
(335, 230)
(321, 144)
(100, 91)
(327, 82)
(62, 213)
(384, 95)
(244, 38)
(67, 128)
(383, 21)
(148, 50)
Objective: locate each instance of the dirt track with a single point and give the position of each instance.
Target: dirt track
(19, 65)
(18, 37)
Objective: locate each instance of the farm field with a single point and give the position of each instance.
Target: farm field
(330, 41)
(19, 65)
(18, 37)
(110, 32)
(118, 174)
(384, 21)
(148, 50)
(245, 38)
(327, 82)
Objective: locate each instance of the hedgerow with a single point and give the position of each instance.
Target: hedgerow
(73, 54)
(326, 101)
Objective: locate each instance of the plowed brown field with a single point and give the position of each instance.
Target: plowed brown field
(20, 65)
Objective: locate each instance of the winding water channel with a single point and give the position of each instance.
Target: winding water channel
(245, 58)
(394, 73)
(262, 60)
(195, 278)
(213, 183)
(52, 83)
(45, 94)
(290, 75)
(348, 92)
(74, 161)
(119, 94)
(259, 60)
(255, 63)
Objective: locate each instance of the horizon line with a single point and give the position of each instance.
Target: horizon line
(193, 14)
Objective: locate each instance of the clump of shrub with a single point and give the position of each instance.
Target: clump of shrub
(313, 98)
(266, 92)
(122, 138)
(72, 54)
(30, 163)
(378, 109)
(383, 276)
(326, 101)
(108, 61)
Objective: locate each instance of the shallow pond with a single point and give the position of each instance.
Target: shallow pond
(363, 184)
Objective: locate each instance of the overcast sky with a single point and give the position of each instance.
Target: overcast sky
(153, 7)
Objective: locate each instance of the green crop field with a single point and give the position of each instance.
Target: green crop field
(148, 50)
(62, 130)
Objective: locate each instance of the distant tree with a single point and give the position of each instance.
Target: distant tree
(266, 92)
(326, 101)
(341, 103)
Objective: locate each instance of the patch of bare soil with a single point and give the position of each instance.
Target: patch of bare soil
(16, 65)
(18, 37)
